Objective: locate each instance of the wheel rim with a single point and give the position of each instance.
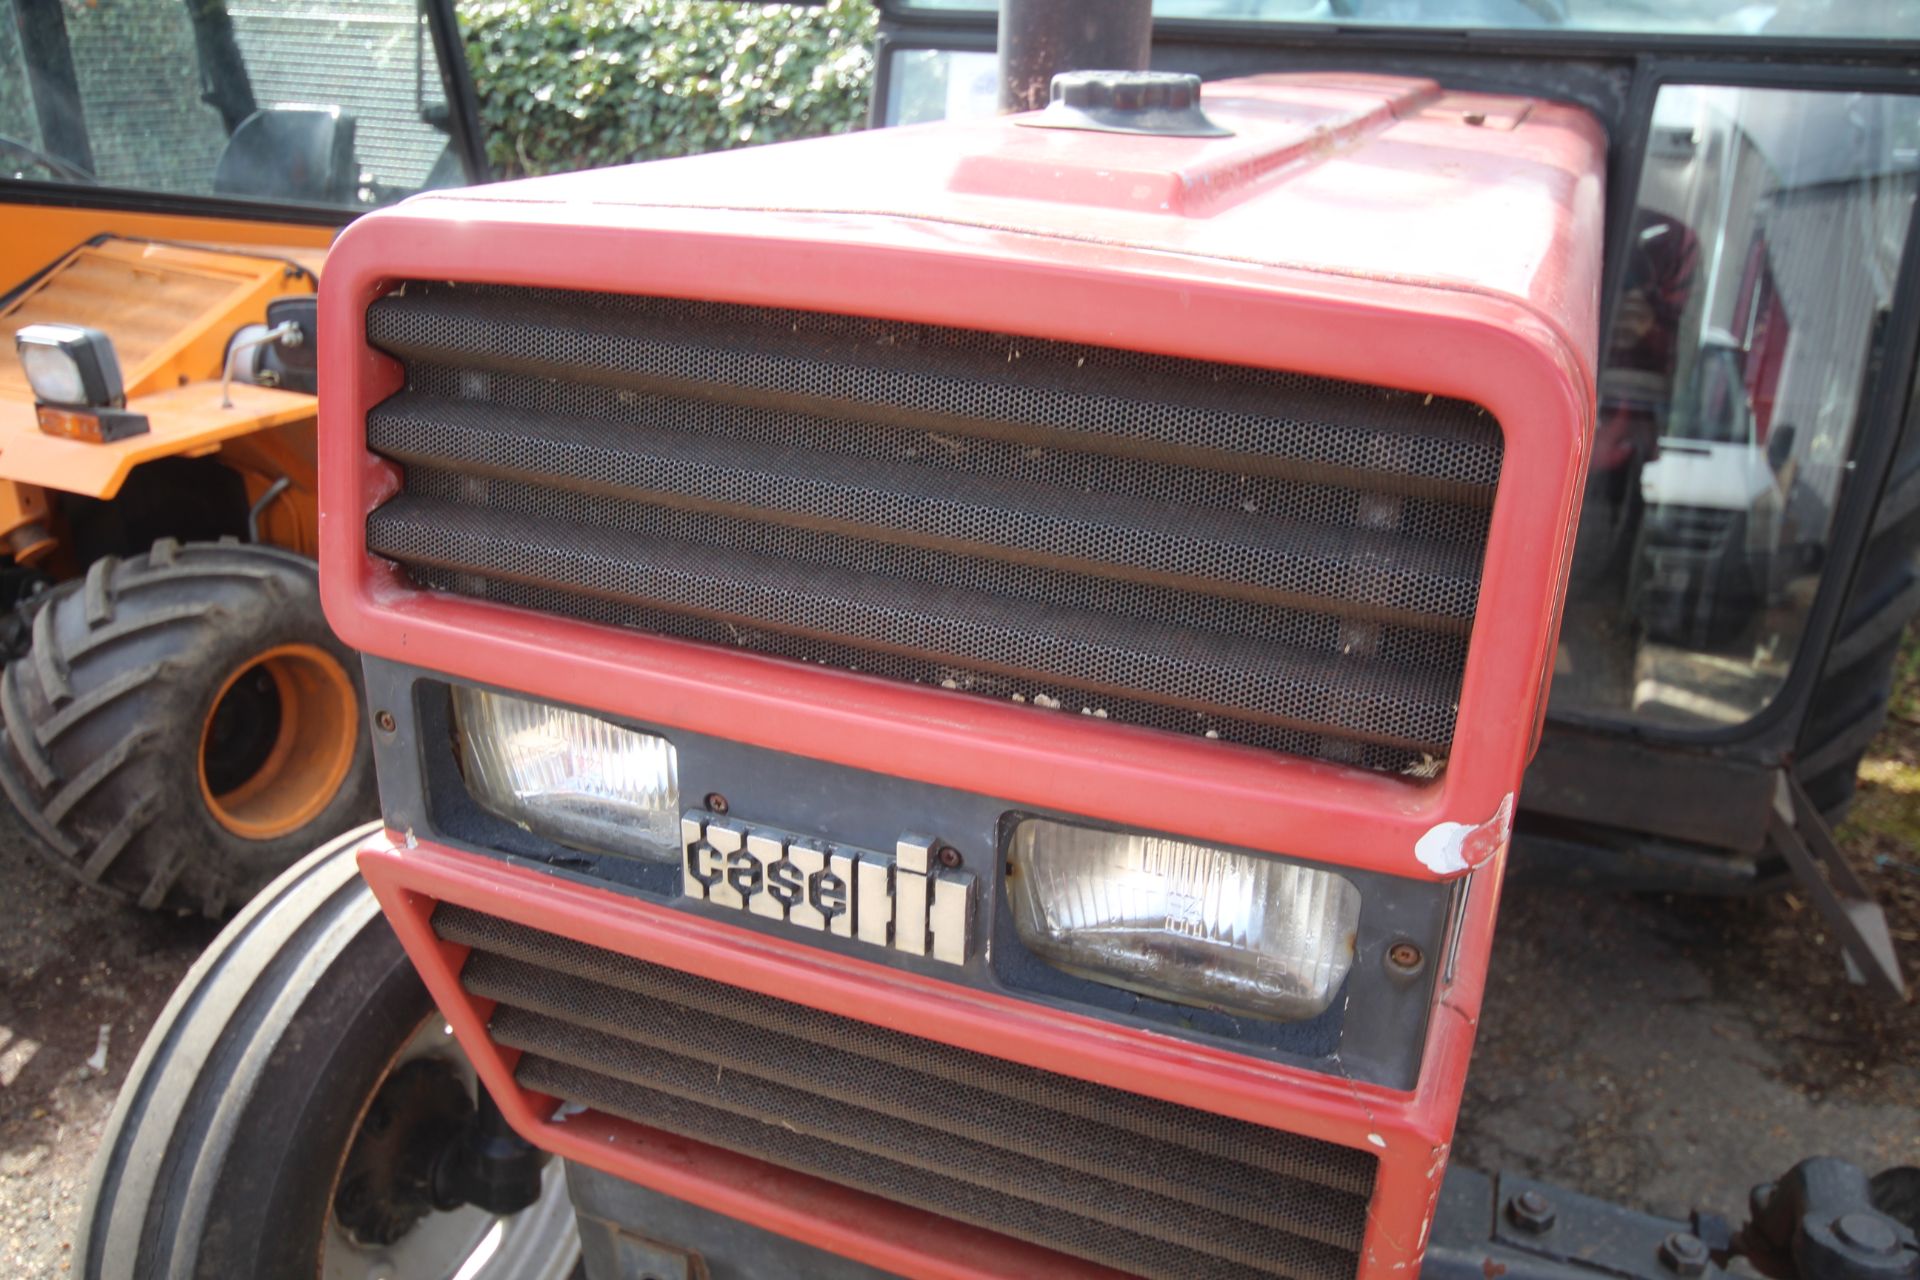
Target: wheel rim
(540, 1242)
(278, 741)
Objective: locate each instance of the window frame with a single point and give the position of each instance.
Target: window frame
(464, 135)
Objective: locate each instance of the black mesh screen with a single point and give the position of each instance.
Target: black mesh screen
(1212, 549)
(1127, 1181)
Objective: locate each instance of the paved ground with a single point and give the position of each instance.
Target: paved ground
(1664, 1052)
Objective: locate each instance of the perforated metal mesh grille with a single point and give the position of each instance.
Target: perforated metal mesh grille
(1127, 1181)
(1213, 549)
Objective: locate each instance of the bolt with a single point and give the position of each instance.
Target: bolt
(1685, 1254)
(1405, 957)
(949, 856)
(716, 802)
(1530, 1211)
(1867, 1232)
(386, 721)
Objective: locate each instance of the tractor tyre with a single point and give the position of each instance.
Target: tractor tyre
(184, 725)
(285, 1101)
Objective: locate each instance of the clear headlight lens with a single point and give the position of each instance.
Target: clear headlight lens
(70, 364)
(570, 777)
(1183, 922)
(52, 374)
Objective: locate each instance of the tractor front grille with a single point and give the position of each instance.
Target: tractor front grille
(1130, 1182)
(1213, 549)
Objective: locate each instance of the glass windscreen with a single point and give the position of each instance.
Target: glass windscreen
(941, 84)
(1762, 264)
(309, 102)
(1852, 19)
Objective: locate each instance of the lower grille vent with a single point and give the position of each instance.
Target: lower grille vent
(1113, 1177)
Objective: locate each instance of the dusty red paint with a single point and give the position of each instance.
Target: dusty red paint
(1356, 227)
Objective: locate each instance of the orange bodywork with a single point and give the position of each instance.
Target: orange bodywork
(23, 522)
(311, 754)
(170, 310)
(39, 234)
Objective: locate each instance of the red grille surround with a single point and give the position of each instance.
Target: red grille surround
(1503, 317)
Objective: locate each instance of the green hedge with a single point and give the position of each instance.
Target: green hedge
(570, 84)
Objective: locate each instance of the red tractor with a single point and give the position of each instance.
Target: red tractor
(950, 701)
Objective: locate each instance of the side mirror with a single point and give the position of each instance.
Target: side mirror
(294, 365)
(281, 353)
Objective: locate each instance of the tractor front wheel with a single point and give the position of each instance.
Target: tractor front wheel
(284, 1115)
(185, 725)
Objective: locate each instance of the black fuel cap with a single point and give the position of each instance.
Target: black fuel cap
(1154, 102)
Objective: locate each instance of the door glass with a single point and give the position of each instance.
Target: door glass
(1763, 260)
(1857, 19)
(941, 84)
(307, 102)
(379, 70)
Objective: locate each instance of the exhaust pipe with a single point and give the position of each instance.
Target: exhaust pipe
(1041, 38)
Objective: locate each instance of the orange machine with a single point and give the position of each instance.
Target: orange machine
(170, 311)
(177, 721)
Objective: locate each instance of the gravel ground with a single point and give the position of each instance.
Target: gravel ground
(76, 973)
(1671, 1053)
(1665, 1053)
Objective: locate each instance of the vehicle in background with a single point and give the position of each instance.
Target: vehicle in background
(180, 724)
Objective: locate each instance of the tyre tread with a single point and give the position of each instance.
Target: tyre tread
(204, 1055)
(49, 731)
(81, 785)
(133, 628)
(97, 593)
(1849, 702)
(24, 735)
(95, 717)
(109, 846)
(47, 661)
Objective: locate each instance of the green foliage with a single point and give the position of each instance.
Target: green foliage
(573, 84)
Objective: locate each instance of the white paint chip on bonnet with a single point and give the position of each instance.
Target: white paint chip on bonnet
(1444, 851)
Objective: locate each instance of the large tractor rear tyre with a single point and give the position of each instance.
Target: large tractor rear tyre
(275, 1120)
(185, 725)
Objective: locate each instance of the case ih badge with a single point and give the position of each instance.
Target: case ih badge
(892, 900)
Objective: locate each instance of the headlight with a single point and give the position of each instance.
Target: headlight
(570, 777)
(68, 364)
(1183, 922)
